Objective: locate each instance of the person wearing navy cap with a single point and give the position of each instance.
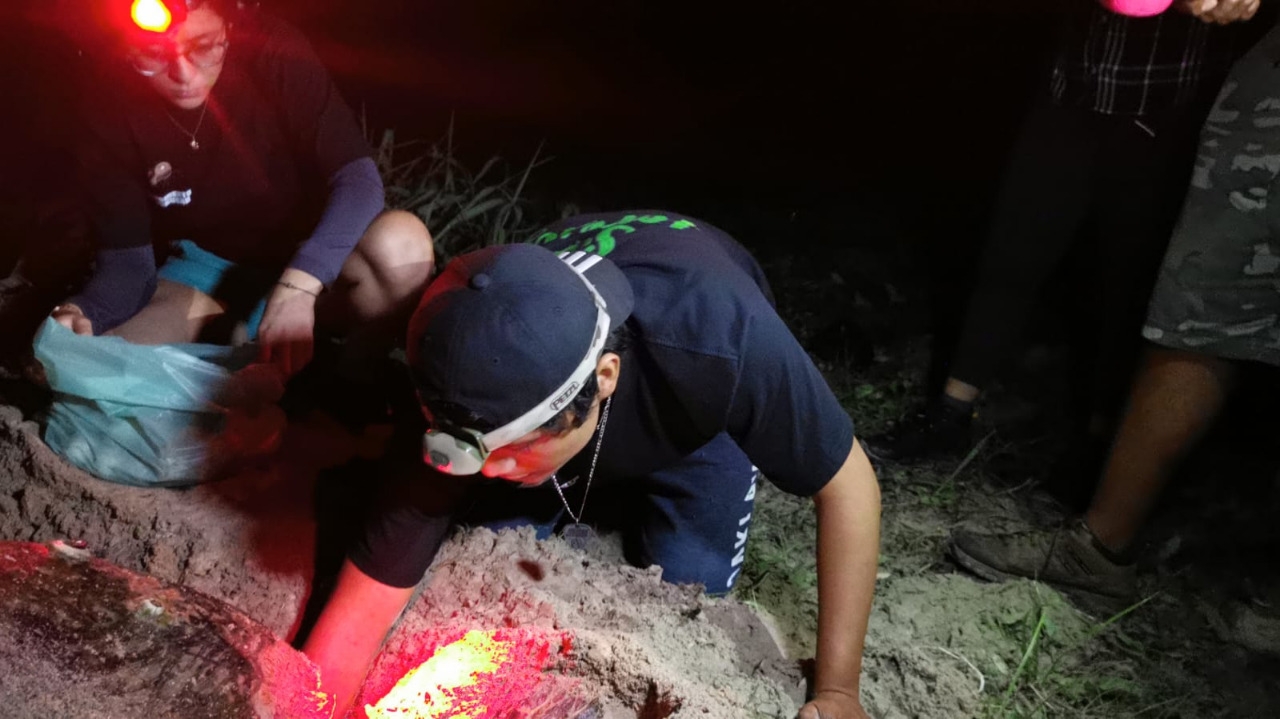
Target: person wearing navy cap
(625, 371)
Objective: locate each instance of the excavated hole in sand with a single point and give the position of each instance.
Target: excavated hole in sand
(638, 646)
(641, 648)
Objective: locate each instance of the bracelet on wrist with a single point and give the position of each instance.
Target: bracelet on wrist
(290, 285)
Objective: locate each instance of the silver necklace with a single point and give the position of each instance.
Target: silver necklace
(579, 535)
(195, 144)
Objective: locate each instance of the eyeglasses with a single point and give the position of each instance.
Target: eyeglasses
(156, 59)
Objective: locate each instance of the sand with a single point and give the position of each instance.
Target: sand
(639, 646)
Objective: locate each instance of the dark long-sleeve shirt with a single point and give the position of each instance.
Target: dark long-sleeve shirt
(282, 177)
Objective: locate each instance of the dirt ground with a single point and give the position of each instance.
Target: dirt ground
(249, 541)
(940, 644)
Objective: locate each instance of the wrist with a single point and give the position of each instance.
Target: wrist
(298, 289)
(301, 281)
(851, 692)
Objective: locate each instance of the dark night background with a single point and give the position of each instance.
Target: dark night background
(736, 112)
(681, 101)
(839, 127)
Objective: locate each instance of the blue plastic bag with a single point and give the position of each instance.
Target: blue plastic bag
(156, 415)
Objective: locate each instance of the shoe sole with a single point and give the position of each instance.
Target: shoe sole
(907, 461)
(875, 457)
(866, 448)
(1093, 602)
(979, 568)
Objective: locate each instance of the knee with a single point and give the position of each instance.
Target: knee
(688, 558)
(180, 298)
(716, 571)
(397, 242)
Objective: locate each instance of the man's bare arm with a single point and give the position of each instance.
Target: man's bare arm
(848, 552)
(350, 632)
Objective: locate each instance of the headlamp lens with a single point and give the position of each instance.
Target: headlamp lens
(449, 452)
(151, 15)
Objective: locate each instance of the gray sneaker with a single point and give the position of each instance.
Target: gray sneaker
(1067, 558)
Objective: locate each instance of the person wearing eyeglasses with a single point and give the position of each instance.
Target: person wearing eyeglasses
(622, 371)
(232, 193)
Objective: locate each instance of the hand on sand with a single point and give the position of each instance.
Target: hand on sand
(832, 704)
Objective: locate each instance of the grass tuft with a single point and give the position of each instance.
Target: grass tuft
(464, 209)
(1076, 675)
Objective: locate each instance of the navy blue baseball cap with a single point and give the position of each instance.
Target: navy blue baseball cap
(503, 327)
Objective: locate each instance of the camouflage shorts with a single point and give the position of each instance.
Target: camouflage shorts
(1219, 286)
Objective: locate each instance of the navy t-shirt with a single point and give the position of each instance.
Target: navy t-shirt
(272, 134)
(709, 355)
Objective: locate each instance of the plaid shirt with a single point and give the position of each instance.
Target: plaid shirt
(1120, 65)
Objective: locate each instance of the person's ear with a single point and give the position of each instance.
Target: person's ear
(607, 370)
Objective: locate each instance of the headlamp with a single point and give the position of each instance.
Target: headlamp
(157, 16)
(1137, 8)
(462, 451)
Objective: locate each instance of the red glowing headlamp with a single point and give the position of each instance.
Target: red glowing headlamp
(157, 16)
(1137, 8)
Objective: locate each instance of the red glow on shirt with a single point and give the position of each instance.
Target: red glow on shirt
(151, 15)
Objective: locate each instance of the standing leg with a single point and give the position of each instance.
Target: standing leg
(1141, 194)
(1045, 197)
(1144, 169)
(1175, 399)
(1215, 301)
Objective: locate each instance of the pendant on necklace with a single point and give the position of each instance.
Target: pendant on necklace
(195, 145)
(578, 535)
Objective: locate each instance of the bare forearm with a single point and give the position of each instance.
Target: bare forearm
(848, 548)
(350, 631)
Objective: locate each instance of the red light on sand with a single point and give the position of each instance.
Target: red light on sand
(151, 15)
(431, 690)
(474, 674)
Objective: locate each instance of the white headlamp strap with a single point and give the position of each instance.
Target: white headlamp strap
(580, 262)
